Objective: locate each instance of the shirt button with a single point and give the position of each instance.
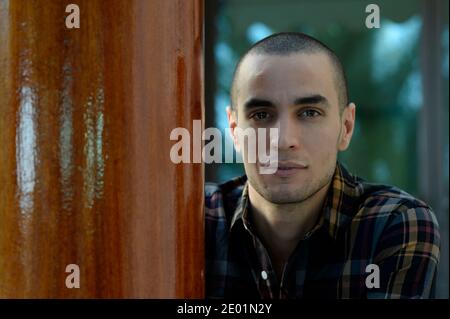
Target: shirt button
(264, 275)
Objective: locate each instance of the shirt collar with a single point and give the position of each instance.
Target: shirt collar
(241, 211)
(338, 208)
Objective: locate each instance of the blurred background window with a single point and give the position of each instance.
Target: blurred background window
(397, 76)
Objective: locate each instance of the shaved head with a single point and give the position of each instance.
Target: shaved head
(288, 43)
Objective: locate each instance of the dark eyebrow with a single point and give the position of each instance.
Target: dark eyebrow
(255, 102)
(312, 99)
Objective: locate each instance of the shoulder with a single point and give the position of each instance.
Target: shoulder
(222, 199)
(390, 202)
(379, 204)
(400, 221)
(220, 204)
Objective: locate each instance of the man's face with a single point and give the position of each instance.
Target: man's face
(296, 94)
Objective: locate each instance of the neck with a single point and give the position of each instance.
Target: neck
(282, 226)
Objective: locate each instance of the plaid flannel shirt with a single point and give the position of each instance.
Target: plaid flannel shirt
(361, 224)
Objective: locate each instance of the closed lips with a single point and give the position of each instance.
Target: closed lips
(289, 165)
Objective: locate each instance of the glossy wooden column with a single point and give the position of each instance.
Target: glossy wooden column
(85, 170)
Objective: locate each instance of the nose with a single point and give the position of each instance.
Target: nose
(288, 138)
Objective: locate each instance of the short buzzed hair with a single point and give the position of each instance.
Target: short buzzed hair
(286, 43)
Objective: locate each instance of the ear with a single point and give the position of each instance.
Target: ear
(232, 122)
(347, 127)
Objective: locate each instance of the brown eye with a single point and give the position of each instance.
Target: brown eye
(260, 116)
(309, 113)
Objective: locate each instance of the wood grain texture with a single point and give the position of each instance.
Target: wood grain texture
(85, 171)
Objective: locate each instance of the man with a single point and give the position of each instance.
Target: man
(311, 229)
